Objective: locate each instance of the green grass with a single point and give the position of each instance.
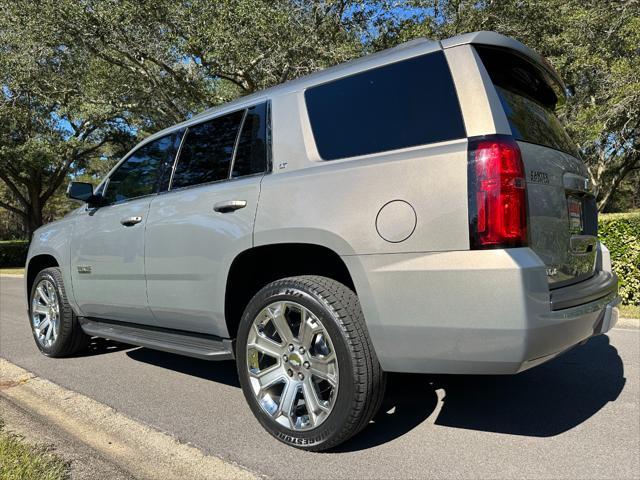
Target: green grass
(629, 311)
(12, 271)
(22, 461)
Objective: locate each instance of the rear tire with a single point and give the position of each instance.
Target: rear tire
(322, 352)
(55, 327)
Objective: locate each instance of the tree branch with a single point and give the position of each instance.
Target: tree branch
(14, 189)
(13, 209)
(628, 166)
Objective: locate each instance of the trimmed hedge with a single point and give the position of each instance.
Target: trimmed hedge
(620, 232)
(13, 253)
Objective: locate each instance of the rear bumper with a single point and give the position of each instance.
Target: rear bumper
(470, 312)
(600, 285)
(572, 328)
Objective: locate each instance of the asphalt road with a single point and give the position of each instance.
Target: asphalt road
(575, 417)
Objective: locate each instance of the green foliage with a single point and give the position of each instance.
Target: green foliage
(627, 196)
(620, 232)
(53, 121)
(80, 79)
(13, 253)
(592, 44)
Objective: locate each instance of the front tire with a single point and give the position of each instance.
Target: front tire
(54, 326)
(306, 363)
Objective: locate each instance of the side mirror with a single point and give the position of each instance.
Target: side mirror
(81, 191)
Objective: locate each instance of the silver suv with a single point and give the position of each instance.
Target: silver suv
(417, 210)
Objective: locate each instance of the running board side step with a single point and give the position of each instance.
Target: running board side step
(198, 345)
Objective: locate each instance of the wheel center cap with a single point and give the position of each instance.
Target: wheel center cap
(295, 360)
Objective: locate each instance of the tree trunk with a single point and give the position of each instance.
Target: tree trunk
(33, 219)
(605, 195)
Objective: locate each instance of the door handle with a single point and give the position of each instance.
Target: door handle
(229, 206)
(130, 221)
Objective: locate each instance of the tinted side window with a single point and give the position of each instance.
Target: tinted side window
(207, 151)
(141, 173)
(400, 105)
(251, 155)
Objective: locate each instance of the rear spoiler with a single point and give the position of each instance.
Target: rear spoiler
(497, 40)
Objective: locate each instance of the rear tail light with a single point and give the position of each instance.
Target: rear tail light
(497, 195)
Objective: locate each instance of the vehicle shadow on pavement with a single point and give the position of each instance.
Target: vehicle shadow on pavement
(542, 402)
(101, 346)
(409, 400)
(221, 372)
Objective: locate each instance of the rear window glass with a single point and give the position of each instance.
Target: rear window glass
(528, 100)
(404, 104)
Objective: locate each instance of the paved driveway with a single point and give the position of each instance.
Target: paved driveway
(575, 417)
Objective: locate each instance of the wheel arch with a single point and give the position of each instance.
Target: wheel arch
(35, 265)
(254, 268)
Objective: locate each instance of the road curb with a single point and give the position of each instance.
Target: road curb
(136, 448)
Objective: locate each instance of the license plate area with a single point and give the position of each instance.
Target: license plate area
(576, 224)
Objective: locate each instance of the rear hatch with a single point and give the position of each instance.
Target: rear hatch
(562, 215)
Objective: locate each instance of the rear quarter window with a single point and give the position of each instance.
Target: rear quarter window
(403, 104)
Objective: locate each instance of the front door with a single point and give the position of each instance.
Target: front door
(107, 250)
(108, 263)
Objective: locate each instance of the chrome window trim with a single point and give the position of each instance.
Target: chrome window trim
(175, 160)
(233, 155)
(226, 108)
(207, 184)
(268, 165)
(177, 128)
(236, 143)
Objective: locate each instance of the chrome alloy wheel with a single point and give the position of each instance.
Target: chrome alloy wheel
(45, 313)
(293, 368)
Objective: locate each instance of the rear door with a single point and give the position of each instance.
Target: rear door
(561, 208)
(205, 220)
(107, 250)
